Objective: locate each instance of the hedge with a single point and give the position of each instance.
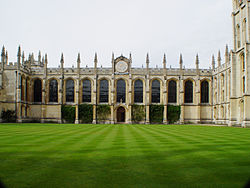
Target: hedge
(8, 116)
(138, 113)
(68, 113)
(103, 112)
(174, 113)
(86, 113)
(156, 113)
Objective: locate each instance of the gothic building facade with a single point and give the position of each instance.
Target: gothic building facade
(220, 95)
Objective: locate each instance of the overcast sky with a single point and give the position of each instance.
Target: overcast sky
(119, 26)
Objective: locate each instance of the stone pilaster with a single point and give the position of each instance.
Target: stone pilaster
(77, 101)
(165, 119)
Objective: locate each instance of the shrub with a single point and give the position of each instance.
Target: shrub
(156, 113)
(86, 113)
(8, 116)
(68, 113)
(174, 113)
(138, 113)
(103, 112)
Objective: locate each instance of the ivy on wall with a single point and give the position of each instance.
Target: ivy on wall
(174, 113)
(8, 116)
(103, 112)
(138, 113)
(86, 113)
(156, 113)
(68, 113)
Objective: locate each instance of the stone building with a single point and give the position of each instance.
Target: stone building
(220, 95)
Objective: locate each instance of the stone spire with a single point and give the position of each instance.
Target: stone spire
(39, 57)
(147, 61)
(219, 59)
(95, 60)
(113, 63)
(6, 57)
(3, 58)
(23, 57)
(62, 61)
(213, 62)
(19, 57)
(32, 59)
(197, 62)
(226, 55)
(181, 62)
(164, 62)
(130, 62)
(78, 61)
(45, 65)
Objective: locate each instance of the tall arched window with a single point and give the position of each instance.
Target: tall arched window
(22, 88)
(86, 91)
(156, 89)
(70, 91)
(53, 91)
(172, 92)
(244, 84)
(37, 90)
(121, 91)
(188, 92)
(138, 91)
(27, 89)
(204, 92)
(242, 59)
(104, 91)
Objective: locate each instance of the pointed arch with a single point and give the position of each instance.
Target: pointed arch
(37, 90)
(53, 90)
(188, 97)
(138, 91)
(204, 91)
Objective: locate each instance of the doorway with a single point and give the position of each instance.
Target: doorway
(120, 115)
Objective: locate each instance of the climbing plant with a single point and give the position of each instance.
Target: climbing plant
(138, 113)
(156, 113)
(103, 112)
(174, 113)
(8, 116)
(68, 113)
(86, 113)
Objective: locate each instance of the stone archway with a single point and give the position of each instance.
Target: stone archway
(120, 115)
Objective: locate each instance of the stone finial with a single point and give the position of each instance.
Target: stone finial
(130, 58)
(43, 60)
(19, 51)
(46, 60)
(95, 59)
(181, 62)
(62, 60)
(3, 51)
(147, 61)
(197, 61)
(227, 55)
(39, 56)
(32, 58)
(78, 61)
(23, 57)
(6, 57)
(219, 59)
(213, 62)
(164, 61)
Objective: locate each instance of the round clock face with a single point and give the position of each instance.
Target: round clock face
(121, 66)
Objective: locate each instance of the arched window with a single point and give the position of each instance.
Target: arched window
(204, 92)
(37, 90)
(53, 91)
(70, 91)
(22, 88)
(244, 85)
(242, 59)
(121, 91)
(188, 92)
(138, 91)
(86, 91)
(172, 92)
(27, 90)
(155, 95)
(104, 91)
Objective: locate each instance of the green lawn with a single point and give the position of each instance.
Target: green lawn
(36, 155)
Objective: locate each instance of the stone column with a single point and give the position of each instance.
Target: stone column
(43, 100)
(60, 97)
(181, 86)
(94, 100)
(129, 102)
(198, 96)
(77, 101)
(18, 98)
(147, 100)
(165, 119)
(112, 99)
